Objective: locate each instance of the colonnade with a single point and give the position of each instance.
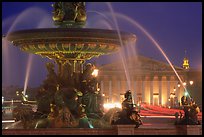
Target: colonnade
(152, 90)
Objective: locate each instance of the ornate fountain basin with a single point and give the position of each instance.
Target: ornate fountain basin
(69, 43)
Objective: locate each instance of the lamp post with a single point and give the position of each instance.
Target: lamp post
(2, 100)
(169, 102)
(172, 98)
(179, 86)
(187, 85)
(191, 82)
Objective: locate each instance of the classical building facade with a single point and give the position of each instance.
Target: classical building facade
(150, 81)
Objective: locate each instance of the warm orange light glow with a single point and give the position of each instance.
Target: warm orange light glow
(172, 96)
(95, 73)
(191, 82)
(184, 83)
(163, 101)
(112, 105)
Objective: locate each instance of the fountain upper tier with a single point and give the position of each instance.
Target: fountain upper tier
(69, 43)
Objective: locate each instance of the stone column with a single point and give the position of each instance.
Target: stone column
(151, 91)
(160, 90)
(110, 92)
(143, 90)
(59, 63)
(74, 65)
(135, 91)
(102, 87)
(82, 66)
(168, 87)
(179, 93)
(176, 86)
(119, 90)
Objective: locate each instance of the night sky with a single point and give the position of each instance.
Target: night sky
(176, 26)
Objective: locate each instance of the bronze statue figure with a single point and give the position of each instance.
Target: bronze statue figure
(128, 115)
(69, 14)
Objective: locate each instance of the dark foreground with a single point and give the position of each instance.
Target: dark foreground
(115, 130)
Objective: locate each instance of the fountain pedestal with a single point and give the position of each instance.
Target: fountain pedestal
(125, 129)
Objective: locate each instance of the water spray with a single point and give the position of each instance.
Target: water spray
(30, 58)
(121, 43)
(154, 42)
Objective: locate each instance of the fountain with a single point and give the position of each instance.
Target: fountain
(70, 97)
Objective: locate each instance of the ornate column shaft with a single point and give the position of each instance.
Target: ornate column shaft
(102, 87)
(168, 87)
(160, 90)
(82, 66)
(110, 91)
(74, 65)
(119, 90)
(135, 92)
(59, 68)
(151, 92)
(143, 90)
(176, 93)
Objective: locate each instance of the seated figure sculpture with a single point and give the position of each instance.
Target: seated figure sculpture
(91, 97)
(128, 115)
(52, 79)
(190, 112)
(49, 84)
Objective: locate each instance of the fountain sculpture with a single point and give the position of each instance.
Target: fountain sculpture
(71, 97)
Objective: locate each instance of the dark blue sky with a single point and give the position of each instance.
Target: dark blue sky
(176, 26)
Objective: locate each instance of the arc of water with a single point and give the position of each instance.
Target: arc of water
(121, 43)
(17, 20)
(29, 63)
(22, 15)
(147, 34)
(101, 14)
(105, 22)
(154, 42)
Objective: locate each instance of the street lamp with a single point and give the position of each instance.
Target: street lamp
(184, 83)
(179, 85)
(17, 93)
(174, 89)
(2, 100)
(186, 93)
(191, 82)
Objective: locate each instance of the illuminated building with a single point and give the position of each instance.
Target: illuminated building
(151, 81)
